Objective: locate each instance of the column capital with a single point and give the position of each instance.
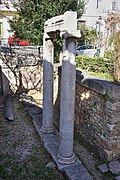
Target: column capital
(50, 36)
(75, 34)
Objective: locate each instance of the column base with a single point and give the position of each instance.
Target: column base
(47, 130)
(68, 160)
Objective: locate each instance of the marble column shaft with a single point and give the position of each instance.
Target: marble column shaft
(48, 58)
(66, 155)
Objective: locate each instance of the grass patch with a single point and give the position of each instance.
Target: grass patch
(32, 168)
(100, 67)
(105, 75)
(109, 176)
(23, 155)
(1, 126)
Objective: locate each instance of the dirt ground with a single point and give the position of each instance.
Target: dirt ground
(85, 153)
(90, 159)
(22, 154)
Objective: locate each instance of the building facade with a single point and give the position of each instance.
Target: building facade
(99, 14)
(7, 12)
(99, 8)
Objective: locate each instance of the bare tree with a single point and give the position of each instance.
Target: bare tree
(117, 57)
(112, 29)
(111, 23)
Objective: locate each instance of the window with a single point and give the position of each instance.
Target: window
(114, 5)
(98, 3)
(0, 30)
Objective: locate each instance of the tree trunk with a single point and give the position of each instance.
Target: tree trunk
(117, 60)
(117, 68)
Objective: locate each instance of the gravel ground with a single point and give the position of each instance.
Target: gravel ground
(90, 160)
(22, 154)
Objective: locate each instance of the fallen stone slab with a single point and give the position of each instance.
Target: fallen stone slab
(117, 178)
(114, 167)
(75, 171)
(103, 168)
(50, 165)
(9, 107)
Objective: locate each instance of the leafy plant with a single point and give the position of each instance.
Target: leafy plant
(87, 35)
(95, 65)
(109, 54)
(29, 22)
(117, 56)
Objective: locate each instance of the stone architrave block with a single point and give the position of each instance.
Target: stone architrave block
(117, 178)
(114, 167)
(65, 24)
(103, 168)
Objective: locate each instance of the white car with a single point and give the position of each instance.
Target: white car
(86, 50)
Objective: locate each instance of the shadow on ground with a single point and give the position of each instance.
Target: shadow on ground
(22, 154)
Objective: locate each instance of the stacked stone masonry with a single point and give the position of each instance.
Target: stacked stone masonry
(97, 108)
(97, 114)
(24, 78)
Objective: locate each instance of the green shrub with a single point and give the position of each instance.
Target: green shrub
(97, 65)
(109, 54)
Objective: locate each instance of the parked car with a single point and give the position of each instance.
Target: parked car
(87, 50)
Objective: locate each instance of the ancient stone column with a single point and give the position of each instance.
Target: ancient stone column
(66, 155)
(48, 57)
(1, 82)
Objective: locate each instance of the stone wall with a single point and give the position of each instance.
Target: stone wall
(31, 77)
(97, 114)
(97, 107)
(20, 79)
(22, 70)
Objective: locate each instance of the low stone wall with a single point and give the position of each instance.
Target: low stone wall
(31, 77)
(97, 113)
(97, 107)
(25, 75)
(21, 79)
